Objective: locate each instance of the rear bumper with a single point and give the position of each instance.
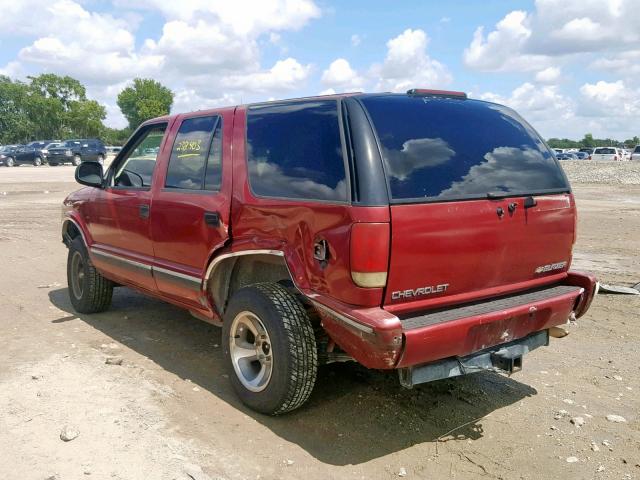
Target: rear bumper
(506, 358)
(381, 340)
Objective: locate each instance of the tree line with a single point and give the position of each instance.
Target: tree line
(589, 142)
(50, 106)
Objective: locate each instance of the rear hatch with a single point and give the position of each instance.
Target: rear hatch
(479, 205)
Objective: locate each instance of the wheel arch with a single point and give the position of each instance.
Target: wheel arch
(70, 230)
(229, 272)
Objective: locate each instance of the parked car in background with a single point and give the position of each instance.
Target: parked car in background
(77, 151)
(588, 151)
(606, 153)
(567, 156)
(582, 155)
(558, 150)
(7, 155)
(635, 155)
(31, 153)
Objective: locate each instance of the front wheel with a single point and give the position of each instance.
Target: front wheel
(76, 160)
(89, 291)
(37, 162)
(10, 162)
(269, 348)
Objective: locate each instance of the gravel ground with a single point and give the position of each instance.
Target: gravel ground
(143, 387)
(609, 173)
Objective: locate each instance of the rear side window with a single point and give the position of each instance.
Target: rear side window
(637, 149)
(605, 151)
(295, 151)
(447, 149)
(196, 160)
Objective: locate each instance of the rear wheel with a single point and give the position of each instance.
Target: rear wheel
(10, 162)
(37, 162)
(76, 160)
(269, 348)
(89, 291)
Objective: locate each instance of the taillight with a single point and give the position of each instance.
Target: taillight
(615, 158)
(589, 157)
(370, 254)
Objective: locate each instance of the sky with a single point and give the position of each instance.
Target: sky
(568, 66)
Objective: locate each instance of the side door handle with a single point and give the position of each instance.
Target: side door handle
(212, 219)
(143, 211)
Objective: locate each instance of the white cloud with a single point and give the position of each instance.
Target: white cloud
(206, 46)
(610, 99)
(244, 17)
(341, 76)
(191, 47)
(356, 40)
(407, 64)
(548, 75)
(12, 69)
(529, 41)
(502, 48)
(285, 75)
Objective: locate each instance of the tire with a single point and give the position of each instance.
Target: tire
(291, 355)
(9, 162)
(89, 291)
(77, 160)
(37, 162)
(101, 159)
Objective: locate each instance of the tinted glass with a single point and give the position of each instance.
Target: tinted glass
(637, 149)
(136, 168)
(190, 150)
(605, 151)
(294, 151)
(436, 148)
(213, 174)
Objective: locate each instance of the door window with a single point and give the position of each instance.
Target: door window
(135, 169)
(196, 157)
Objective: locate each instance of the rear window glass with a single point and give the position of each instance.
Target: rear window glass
(294, 151)
(637, 149)
(445, 149)
(605, 151)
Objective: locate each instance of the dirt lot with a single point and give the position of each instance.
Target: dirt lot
(169, 410)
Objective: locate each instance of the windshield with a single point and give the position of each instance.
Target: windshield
(605, 151)
(444, 149)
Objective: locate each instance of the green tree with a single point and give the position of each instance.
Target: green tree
(144, 100)
(65, 89)
(588, 141)
(15, 125)
(84, 119)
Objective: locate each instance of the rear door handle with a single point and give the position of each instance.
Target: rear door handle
(143, 211)
(212, 219)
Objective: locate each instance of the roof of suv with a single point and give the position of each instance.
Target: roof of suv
(333, 96)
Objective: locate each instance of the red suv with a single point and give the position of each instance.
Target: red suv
(423, 232)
